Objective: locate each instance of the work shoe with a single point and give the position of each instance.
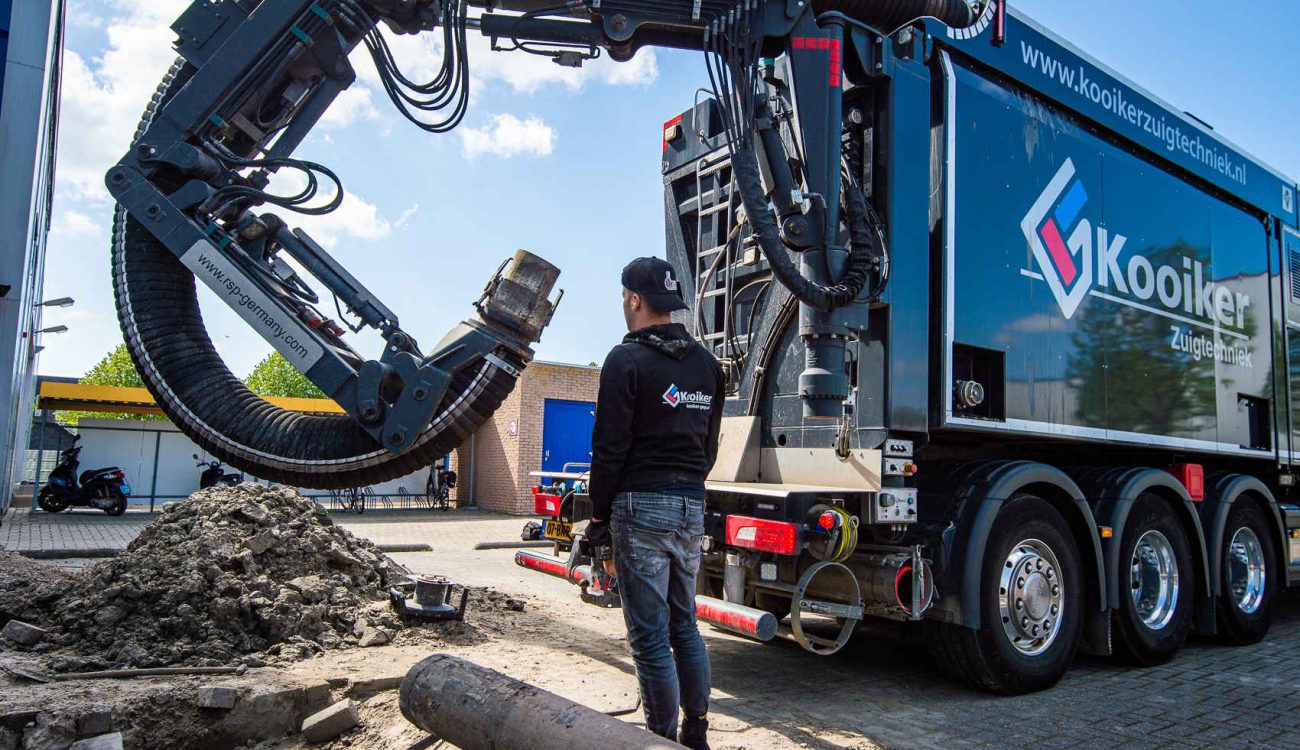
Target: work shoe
(693, 733)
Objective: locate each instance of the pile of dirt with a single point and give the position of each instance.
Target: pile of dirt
(230, 572)
(28, 588)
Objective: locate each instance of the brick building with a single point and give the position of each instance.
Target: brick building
(545, 423)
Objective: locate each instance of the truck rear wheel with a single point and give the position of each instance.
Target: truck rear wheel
(1247, 574)
(1031, 596)
(1156, 585)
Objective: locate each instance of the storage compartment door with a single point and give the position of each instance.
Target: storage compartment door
(1291, 297)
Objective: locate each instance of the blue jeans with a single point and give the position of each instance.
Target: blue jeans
(657, 556)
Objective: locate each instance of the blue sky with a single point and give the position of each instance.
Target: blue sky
(562, 163)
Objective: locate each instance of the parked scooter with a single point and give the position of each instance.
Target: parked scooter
(105, 489)
(214, 474)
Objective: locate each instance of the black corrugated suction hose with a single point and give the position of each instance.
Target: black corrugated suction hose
(862, 247)
(888, 15)
(163, 326)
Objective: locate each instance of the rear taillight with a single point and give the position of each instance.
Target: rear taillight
(544, 504)
(118, 475)
(672, 131)
(762, 534)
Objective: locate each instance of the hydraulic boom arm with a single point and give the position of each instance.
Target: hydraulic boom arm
(254, 77)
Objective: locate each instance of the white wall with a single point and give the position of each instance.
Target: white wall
(130, 445)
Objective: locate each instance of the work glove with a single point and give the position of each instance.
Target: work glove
(598, 534)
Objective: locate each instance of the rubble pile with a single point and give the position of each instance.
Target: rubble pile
(230, 572)
(29, 588)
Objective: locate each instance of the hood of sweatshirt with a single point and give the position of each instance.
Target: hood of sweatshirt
(671, 338)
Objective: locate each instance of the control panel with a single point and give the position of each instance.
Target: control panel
(894, 505)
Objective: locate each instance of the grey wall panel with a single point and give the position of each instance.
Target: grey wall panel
(26, 180)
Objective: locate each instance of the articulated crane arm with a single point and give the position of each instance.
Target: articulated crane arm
(253, 78)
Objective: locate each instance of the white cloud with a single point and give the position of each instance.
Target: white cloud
(507, 136)
(104, 96)
(355, 218)
(406, 216)
(72, 223)
(348, 107)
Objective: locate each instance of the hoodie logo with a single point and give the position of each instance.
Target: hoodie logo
(669, 282)
(675, 396)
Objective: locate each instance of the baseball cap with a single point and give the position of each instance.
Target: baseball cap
(653, 279)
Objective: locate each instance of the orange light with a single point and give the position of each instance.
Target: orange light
(1106, 532)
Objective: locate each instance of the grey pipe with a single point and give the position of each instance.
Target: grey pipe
(476, 708)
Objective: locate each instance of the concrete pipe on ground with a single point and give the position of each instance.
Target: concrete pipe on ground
(476, 708)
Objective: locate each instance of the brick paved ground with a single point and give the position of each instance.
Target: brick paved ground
(876, 693)
(85, 529)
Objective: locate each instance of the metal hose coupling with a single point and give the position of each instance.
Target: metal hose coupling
(517, 299)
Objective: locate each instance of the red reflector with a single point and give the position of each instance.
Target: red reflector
(761, 534)
(826, 520)
(544, 504)
(1192, 476)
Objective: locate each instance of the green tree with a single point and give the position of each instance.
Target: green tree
(116, 368)
(1127, 375)
(274, 376)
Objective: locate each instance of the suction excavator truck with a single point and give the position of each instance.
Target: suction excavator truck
(1011, 342)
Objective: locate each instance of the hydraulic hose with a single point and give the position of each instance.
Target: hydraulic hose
(158, 309)
(763, 224)
(888, 15)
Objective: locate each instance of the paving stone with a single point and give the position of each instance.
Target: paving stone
(102, 742)
(216, 696)
(316, 695)
(327, 724)
(94, 722)
(375, 685)
(22, 633)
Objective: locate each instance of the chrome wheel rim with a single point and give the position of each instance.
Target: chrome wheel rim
(1031, 597)
(1153, 580)
(1246, 570)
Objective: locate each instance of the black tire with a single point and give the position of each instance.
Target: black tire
(1138, 641)
(159, 313)
(47, 502)
(1238, 627)
(987, 658)
(119, 503)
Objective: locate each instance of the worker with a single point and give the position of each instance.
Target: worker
(654, 441)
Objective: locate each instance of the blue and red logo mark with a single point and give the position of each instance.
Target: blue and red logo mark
(1061, 238)
(672, 396)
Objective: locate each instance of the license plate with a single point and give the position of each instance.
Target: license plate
(557, 531)
(126, 489)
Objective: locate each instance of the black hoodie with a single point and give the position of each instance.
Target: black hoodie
(657, 415)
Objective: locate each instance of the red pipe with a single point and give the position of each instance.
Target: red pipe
(534, 561)
(549, 565)
(737, 618)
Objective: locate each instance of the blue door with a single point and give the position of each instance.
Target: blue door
(566, 434)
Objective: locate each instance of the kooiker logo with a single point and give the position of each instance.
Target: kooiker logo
(697, 400)
(1077, 260)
